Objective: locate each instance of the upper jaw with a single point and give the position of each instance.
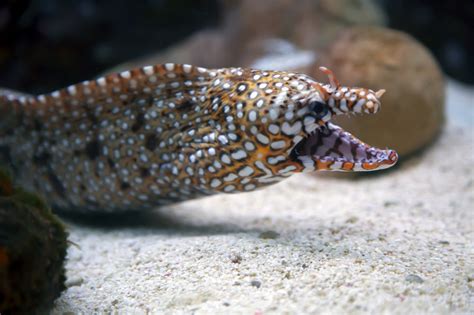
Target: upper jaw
(354, 101)
(329, 147)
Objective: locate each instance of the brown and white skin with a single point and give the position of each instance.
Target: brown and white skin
(166, 133)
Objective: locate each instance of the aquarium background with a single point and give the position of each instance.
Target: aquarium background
(397, 241)
(46, 44)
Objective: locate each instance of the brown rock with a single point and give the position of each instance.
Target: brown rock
(33, 245)
(309, 24)
(412, 111)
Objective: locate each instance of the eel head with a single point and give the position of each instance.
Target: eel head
(322, 145)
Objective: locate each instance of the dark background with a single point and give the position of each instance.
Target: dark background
(47, 44)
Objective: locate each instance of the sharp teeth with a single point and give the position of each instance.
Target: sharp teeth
(297, 139)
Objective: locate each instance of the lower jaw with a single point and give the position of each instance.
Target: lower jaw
(342, 165)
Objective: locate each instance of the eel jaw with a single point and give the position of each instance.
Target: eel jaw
(331, 148)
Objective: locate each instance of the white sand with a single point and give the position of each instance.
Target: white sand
(399, 243)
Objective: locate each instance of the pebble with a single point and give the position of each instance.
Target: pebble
(269, 235)
(74, 282)
(235, 258)
(414, 278)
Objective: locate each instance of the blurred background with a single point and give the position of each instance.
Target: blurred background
(48, 44)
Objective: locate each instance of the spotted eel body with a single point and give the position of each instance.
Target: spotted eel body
(160, 134)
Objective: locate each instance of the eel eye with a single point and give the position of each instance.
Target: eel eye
(319, 108)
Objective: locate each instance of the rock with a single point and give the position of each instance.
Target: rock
(412, 111)
(235, 258)
(414, 279)
(269, 235)
(33, 246)
(74, 282)
(309, 24)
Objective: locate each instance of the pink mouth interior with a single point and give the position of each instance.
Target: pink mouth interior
(336, 149)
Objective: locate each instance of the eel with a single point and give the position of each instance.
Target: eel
(166, 133)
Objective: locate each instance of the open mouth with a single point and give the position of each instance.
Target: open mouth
(329, 147)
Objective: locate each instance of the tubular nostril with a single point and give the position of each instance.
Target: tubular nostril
(379, 93)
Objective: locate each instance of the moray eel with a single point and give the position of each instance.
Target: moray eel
(166, 133)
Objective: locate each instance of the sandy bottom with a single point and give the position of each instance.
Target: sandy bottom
(400, 242)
